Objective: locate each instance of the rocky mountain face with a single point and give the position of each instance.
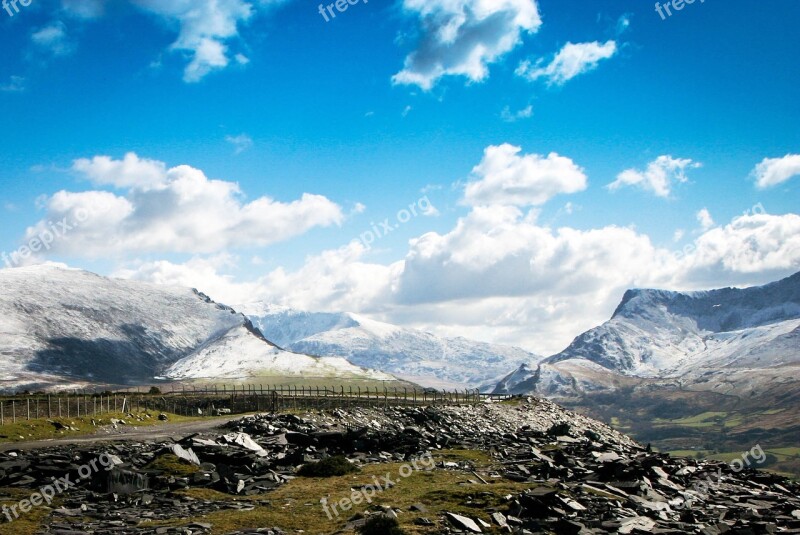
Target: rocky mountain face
(69, 327)
(410, 354)
(705, 370)
(689, 337)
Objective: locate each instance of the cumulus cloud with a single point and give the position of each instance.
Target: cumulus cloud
(463, 37)
(705, 219)
(199, 272)
(176, 210)
(505, 176)
(773, 171)
(658, 178)
(205, 27)
(500, 276)
(572, 60)
(759, 244)
(130, 172)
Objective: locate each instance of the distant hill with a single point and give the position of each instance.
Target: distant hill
(407, 353)
(718, 368)
(69, 327)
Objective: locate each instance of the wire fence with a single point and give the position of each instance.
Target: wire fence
(216, 400)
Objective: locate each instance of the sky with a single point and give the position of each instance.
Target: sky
(496, 169)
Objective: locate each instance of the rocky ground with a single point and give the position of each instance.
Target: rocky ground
(578, 476)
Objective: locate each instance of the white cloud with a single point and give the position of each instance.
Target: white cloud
(204, 28)
(705, 219)
(506, 177)
(53, 38)
(572, 60)
(241, 143)
(511, 117)
(773, 171)
(499, 276)
(130, 172)
(659, 176)
(177, 210)
(759, 244)
(201, 273)
(463, 37)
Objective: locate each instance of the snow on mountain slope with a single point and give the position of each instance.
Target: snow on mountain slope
(407, 353)
(694, 336)
(239, 354)
(61, 326)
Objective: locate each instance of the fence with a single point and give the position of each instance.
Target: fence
(210, 400)
(31, 407)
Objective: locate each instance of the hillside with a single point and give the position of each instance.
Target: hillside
(705, 370)
(69, 327)
(411, 354)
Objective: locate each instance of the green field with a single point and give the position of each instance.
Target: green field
(44, 428)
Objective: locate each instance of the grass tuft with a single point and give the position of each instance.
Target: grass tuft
(330, 467)
(381, 525)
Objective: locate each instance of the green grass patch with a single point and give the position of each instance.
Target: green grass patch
(296, 505)
(42, 429)
(330, 467)
(173, 465)
(381, 525)
(785, 452)
(28, 523)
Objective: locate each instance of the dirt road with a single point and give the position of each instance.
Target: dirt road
(128, 433)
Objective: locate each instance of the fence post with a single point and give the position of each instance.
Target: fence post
(14, 410)
(2, 416)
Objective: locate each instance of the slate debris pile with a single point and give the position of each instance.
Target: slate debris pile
(585, 477)
(588, 485)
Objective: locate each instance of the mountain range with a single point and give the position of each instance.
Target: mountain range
(710, 371)
(409, 354)
(64, 327)
(731, 340)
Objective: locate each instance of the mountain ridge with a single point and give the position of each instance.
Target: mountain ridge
(411, 354)
(61, 325)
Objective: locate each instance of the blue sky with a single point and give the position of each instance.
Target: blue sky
(533, 106)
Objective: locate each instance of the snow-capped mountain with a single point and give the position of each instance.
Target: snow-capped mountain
(410, 354)
(62, 326)
(728, 341)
